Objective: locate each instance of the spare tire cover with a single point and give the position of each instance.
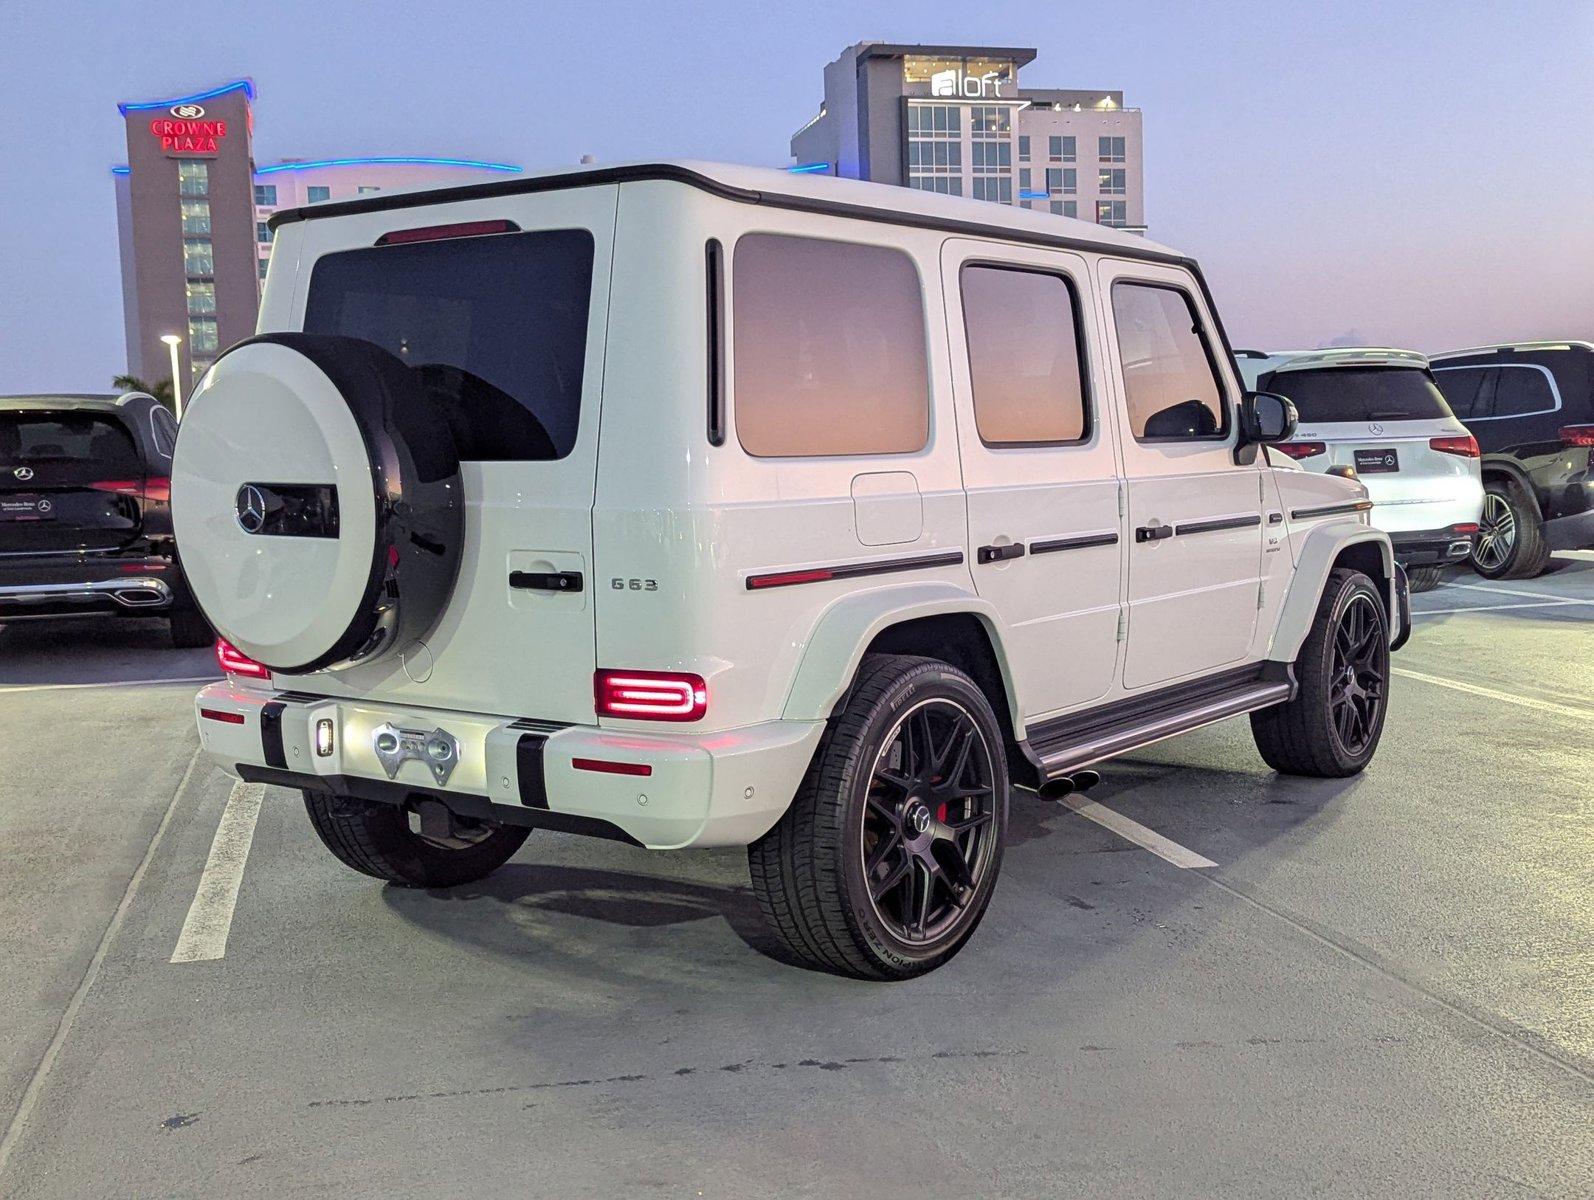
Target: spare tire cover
(316, 501)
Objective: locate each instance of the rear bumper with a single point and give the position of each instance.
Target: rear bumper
(1574, 532)
(720, 789)
(127, 593)
(1430, 547)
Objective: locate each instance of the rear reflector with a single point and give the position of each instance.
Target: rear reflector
(1465, 527)
(1466, 445)
(216, 714)
(235, 662)
(650, 695)
(1299, 450)
(155, 487)
(435, 233)
(1577, 435)
(787, 578)
(605, 766)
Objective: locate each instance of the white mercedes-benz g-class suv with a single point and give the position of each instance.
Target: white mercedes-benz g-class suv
(694, 505)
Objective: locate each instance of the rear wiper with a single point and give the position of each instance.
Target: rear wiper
(1389, 416)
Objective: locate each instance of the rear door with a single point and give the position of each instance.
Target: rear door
(1194, 515)
(1039, 464)
(500, 305)
(70, 481)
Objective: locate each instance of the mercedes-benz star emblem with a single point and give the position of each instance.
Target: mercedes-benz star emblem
(1375, 428)
(918, 818)
(251, 509)
(23, 472)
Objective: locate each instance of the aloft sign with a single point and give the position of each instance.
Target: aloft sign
(186, 131)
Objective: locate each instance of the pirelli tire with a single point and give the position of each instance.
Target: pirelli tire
(317, 502)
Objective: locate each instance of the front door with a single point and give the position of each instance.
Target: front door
(1195, 516)
(1039, 465)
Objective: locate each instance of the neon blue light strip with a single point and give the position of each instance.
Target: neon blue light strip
(241, 84)
(1033, 195)
(810, 169)
(382, 159)
(121, 170)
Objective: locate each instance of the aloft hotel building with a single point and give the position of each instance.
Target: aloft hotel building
(956, 119)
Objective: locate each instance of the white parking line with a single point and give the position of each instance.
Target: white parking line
(1134, 831)
(1443, 612)
(115, 683)
(1564, 710)
(204, 936)
(1500, 591)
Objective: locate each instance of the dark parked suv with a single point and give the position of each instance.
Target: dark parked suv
(1531, 407)
(85, 512)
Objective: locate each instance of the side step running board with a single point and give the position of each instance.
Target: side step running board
(1063, 746)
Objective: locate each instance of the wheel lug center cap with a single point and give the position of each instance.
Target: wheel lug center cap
(916, 818)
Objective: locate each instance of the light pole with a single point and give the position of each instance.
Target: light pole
(172, 341)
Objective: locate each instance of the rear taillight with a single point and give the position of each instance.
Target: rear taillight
(1300, 450)
(235, 662)
(1577, 435)
(650, 695)
(1465, 445)
(155, 487)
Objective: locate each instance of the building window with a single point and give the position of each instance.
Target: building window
(996, 189)
(316, 193)
(1065, 208)
(1024, 184)
(935, 148)
(263, 233)
(1112, 212)
(201, 296)
(1062, 179)
(991, 148)
(266, 195)
(1170, 384)
(196, 218)
(1023, 147)
(263, 264)
(202, 335)
(201, 365)
(198, 258)
(366, 191)
(1024, 356)
(1110, 149)
(1061, 149)
(193, 177)
(1111, 182)
(829, 348)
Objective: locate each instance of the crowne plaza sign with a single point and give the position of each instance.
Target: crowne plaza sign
(186, 131)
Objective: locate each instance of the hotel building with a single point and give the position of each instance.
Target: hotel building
(957, 120)
(191, 207)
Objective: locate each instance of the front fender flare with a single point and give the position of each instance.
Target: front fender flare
(1319, 549)
(845, 629)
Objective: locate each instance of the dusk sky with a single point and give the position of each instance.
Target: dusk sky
(1415, 174)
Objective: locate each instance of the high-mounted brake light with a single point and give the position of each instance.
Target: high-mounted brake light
(1466, 445)
(1577, 435)
(235, 662)
(436, 233)
(650, 695)
(1300, 450)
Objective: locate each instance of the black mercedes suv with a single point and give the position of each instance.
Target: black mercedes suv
(1531, 407)
(85, 512)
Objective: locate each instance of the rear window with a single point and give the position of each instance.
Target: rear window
(1464, 390)
(45, 439)
(496, 327)
(1359, 394)
(1521, 391)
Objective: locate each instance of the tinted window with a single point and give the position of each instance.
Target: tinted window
(495, 326)
(1519, 391)
(1359, 394)
(1024, 358)
(164, 428)
(829, 345)
(34, 439)
(1171, 388)
(1465, 389)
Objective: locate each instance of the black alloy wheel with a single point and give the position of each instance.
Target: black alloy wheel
(1360, 666)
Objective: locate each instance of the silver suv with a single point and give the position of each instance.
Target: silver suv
(1378, 413)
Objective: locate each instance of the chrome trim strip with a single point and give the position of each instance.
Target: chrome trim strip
(126, 592)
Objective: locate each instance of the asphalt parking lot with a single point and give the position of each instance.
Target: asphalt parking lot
(1382, 986)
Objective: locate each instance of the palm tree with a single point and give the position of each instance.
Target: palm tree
(162, 391)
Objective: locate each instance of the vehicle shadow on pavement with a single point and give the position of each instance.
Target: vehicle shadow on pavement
(95, 650)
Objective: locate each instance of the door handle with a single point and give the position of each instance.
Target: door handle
(990, 554)
(546, 581)
(1153, 533)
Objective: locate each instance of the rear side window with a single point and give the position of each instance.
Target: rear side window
(66, 439)
(496, 327)
(1465, 389)
(1024, 356)
(1170, 384)
(1360, 394)
(830, 348)
(1521, 391)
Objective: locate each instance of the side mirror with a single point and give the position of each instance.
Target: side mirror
(1264, 417)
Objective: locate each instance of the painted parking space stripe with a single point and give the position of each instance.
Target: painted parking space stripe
(1472, 608)
(1134, 831)
(209, 921)
(114, 683)
(1503, 591)
(1563, 710)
